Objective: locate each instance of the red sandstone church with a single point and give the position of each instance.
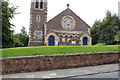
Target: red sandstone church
(64, 29)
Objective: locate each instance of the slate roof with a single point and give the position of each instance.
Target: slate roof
(55, 23)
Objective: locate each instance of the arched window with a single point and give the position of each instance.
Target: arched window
(70, 38)
(37, 35)
(36, 3)
(41, 4)
(66, 38)
(60, 38)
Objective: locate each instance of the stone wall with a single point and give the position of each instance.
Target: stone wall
(49, 62)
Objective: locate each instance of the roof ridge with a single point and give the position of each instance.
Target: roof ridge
(72, 12)
(80, 18)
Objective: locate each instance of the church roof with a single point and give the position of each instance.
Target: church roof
(55, 23)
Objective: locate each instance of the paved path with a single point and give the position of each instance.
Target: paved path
(64, 73)
(101, 75)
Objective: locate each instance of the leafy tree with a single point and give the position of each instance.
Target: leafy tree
(21, 39)
(104, 31)
(24, 37)
(0, 25)
(117, 37)
(17, 40)
(95, 31)
(7, 14)
(23, 31)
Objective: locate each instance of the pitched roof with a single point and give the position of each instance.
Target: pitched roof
(55, 23)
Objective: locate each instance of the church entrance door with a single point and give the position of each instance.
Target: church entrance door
(51, 41)
(85, 41)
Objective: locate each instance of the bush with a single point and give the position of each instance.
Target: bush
(100, 44)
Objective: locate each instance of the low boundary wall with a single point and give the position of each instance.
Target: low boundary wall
(49, 62)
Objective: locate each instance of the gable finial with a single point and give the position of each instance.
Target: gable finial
(68, 5)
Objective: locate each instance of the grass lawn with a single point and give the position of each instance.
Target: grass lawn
(55, 50)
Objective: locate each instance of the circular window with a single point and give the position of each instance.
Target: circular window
(68, 22)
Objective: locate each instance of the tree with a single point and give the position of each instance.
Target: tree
(0, 25)
(7, 14)
(95, 31)
(117, 37)
(23, 31)
(17, 40)
(104, 31)
(21, 39)
(24, 37)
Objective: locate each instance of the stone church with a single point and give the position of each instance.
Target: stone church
(66, 28)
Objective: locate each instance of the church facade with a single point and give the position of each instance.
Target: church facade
(64, 29)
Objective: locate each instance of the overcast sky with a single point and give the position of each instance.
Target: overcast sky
(88, 10)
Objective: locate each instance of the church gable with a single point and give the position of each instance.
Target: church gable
(59, 22)
(64, 29)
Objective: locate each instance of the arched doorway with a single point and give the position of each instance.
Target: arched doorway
(51, 41)
(85, 41)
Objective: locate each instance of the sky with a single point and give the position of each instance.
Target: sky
(88, 10)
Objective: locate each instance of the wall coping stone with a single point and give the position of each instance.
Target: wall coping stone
(38, 56)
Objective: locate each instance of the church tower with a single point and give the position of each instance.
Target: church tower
(38, 18)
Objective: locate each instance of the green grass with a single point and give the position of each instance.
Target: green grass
(55, 50)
